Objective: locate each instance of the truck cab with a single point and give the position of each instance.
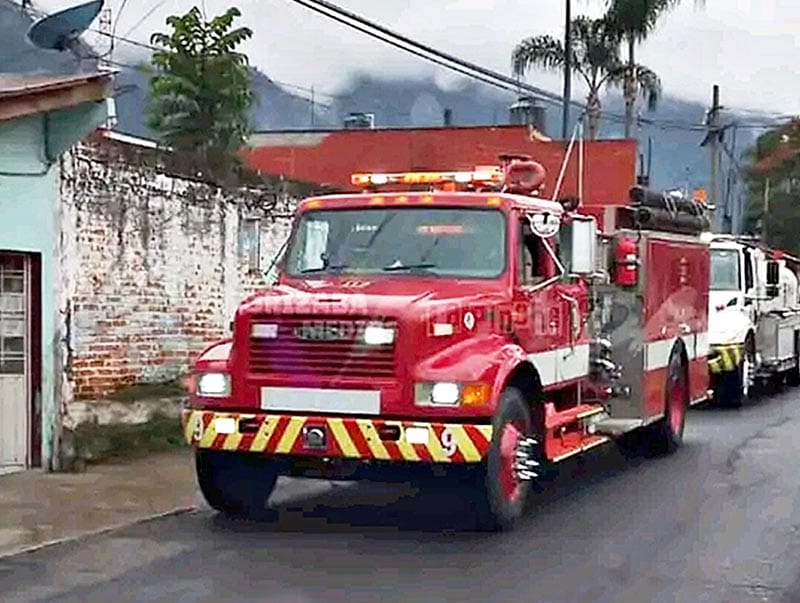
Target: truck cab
(753, 318)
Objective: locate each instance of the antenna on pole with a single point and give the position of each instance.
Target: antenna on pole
(105, 64)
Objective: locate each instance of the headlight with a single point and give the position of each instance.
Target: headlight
(452, 394)
(375, 335)
(214, 385)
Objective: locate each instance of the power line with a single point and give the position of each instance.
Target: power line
(325, 8)
(386, 35)
(494, 79)
(144, 17)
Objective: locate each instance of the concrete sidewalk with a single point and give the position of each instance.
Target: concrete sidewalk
(38, 508)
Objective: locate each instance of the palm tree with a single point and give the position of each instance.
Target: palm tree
(634, 21)
(594, 56)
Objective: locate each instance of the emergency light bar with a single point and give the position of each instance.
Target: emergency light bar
(482, 174)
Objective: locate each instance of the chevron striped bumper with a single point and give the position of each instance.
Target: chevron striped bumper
(725, 358)
(346, 438)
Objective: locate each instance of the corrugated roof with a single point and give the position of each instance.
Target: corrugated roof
(19, 84)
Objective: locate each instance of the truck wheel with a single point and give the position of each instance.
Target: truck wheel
(793, 374)
(234, 484)
(738, 385)
(667, 434)
(502, 494)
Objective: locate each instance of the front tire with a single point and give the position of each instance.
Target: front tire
(739, 385)
(502, 494)
(234, 484)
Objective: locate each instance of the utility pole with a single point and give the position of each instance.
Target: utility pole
(713, 133)
(312, 106)
(567, 70)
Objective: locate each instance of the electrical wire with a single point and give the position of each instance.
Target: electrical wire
(470, 70)
(320, 7)
(144, 18)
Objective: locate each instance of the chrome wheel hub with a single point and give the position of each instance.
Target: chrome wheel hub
(524, 463)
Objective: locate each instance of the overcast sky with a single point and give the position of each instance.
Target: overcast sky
(750, 47)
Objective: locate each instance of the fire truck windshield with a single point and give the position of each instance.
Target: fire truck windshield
(724, 270)
(443, 242)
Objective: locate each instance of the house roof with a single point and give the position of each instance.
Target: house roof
(28, 94)
(329, 158)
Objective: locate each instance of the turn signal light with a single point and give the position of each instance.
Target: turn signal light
(476, 394)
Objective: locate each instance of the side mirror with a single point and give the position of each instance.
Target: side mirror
(584, 245)
(773, 278)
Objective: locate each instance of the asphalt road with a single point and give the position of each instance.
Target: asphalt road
(717, 522)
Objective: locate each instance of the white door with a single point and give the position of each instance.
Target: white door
(14, 362)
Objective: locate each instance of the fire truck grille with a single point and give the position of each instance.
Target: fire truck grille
(329, 346)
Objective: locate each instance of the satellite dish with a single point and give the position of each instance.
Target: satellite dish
(60, 30)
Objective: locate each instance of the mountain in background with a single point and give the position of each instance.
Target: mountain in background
(677, 159)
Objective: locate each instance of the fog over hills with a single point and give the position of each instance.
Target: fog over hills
(677, 158)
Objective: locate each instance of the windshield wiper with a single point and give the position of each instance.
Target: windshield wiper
(332, 267)
(420, 266)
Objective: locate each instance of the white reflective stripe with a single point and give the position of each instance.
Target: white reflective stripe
(657, 353)
(566, 364)
(561, 364)
(702, 347)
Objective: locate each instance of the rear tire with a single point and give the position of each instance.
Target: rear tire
(793, 374)
(235, 484)
(667, 434)
(500, 495)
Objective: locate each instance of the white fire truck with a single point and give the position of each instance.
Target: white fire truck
(754, 318)
(455, 322)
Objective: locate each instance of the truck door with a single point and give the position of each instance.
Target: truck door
(537, 310)
(749, 285)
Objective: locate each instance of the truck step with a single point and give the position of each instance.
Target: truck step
(554, 418)
(559, 450)
(617, 427)
(572, 431)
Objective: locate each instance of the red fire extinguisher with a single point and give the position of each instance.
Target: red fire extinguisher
(627, 271)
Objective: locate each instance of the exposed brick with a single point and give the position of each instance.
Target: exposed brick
(151, 268)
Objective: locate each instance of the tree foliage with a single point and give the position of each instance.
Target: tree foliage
(200, 94)
(772, 185)
(595, 57)
(634, 21)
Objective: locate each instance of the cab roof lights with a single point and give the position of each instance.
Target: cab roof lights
(480, 175)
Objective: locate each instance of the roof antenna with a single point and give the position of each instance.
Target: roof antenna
(61, 31)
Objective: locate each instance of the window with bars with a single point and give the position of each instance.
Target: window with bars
(13, 323)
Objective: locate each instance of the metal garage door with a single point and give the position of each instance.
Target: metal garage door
(14, 361)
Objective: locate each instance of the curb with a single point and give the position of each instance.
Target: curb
(27, 549)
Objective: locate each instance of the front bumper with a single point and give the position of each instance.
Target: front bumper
(725, 358)
(344, 437)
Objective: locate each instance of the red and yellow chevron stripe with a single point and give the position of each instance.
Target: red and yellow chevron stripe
(351, 438)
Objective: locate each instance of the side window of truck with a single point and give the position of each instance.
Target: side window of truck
(532, 256)
(565, 247)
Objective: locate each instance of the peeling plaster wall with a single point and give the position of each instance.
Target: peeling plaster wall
(153, 268)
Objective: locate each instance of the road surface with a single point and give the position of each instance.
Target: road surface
(717, 522)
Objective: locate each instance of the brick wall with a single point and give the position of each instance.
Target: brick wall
(153, 266)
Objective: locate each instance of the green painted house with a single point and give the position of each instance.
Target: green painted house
(41, 116)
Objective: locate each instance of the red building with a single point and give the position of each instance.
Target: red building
(330, 157)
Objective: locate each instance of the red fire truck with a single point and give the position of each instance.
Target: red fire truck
(454, 323)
